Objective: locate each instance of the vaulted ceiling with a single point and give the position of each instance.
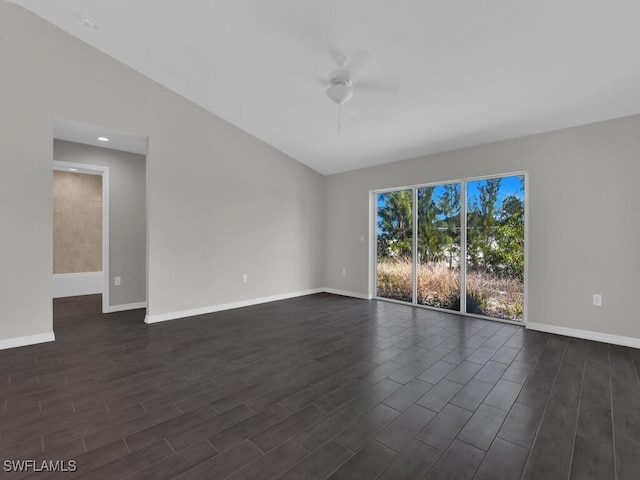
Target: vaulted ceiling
(429, 75)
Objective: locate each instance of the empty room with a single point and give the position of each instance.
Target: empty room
(319, 240)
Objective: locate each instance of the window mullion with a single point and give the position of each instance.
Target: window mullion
(463, 246)
(414, 279)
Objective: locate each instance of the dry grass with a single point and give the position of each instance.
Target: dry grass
(439, 286)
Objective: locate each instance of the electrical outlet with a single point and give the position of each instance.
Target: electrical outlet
(597, 299)
(117, 281)
(362, 238)
(245, 278)
(344, 271)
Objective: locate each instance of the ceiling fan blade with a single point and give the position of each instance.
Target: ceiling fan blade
(339, 57)
(357, 61)
(320, 80)
(379, 87)
(354, 61)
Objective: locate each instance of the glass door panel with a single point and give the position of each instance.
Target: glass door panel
(495, 247)
(438, 246)
(394, 259)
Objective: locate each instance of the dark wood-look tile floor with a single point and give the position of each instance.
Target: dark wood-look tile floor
(318, 387)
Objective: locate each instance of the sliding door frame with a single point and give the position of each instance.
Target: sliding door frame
(373, 244)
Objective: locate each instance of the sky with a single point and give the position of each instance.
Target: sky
(509, 186)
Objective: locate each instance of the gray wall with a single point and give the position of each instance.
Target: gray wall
(127, 215)
(220, 203)
(584, 227)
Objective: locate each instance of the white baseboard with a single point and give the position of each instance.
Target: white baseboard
(585, 334)
(74, 284)
(346, 293)
(127, 306)
(24, 341)
(163, 317)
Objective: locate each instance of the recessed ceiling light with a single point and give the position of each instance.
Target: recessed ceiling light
(73, 169)
(103, 139)
(88, 21)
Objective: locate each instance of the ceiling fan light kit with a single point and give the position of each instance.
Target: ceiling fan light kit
(340, 88)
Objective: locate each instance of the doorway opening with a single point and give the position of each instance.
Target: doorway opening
(79, 244)
(118, 160)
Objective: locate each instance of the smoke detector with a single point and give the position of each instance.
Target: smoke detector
(88, 21)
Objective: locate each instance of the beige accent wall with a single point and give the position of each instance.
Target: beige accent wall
(77, 222)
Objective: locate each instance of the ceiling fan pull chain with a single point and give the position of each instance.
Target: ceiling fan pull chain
(338, 118)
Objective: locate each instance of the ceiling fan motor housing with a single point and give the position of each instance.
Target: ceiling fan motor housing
(340, 88)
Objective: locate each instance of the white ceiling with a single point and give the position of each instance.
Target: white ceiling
(465, 72)
(88, 134)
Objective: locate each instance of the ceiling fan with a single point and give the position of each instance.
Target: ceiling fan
(341, 87)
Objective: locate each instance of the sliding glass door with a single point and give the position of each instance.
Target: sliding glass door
(438, 248)
(395, 245)
(433, 240)
(495, 247)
